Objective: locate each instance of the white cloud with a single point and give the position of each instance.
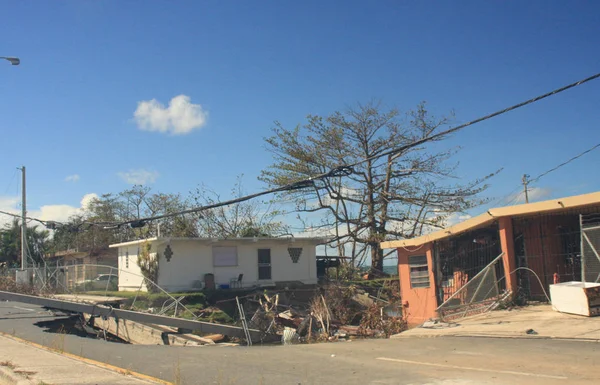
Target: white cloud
(139, 176)
(456, 218)
(8, 204)
(59, 213)
(72, 178)
(62, 213)
(179, 118)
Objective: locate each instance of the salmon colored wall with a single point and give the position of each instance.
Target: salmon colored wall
(422, 302)
(543, 248)
(505, 230)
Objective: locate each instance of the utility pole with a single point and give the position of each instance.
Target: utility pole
(23, 222)
(525, 181)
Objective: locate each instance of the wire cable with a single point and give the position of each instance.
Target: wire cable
(346, 170)
(472, 122)
(11, 182)
(343, 170)
(27, 218)
(516, 194)
(564, 163)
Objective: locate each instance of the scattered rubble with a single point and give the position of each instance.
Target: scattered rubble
(335, 313)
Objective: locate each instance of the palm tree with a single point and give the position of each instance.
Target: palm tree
(10, 242)
(38, 243)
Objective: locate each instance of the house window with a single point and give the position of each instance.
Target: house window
(225, 256)
(419, 271)
(264, 264)
(127, 259)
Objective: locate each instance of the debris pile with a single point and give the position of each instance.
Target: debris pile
(334, 313)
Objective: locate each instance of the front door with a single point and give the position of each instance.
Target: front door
(264, 264)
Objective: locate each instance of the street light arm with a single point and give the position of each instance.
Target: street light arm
(13, 60)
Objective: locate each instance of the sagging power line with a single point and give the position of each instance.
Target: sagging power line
(563, 163)
(340, 171)
(346, 170)
(526, 181)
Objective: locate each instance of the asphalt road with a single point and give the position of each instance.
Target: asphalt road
(439, 361)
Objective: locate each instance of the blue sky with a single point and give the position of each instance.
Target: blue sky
(69, 108)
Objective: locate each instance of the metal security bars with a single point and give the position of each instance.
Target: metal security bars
(459, 259)
(547, 250)
(590, 247)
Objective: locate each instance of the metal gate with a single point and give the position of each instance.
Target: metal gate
(481, 294)
(590, 247)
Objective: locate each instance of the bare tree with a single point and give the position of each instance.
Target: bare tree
(254, 218)
(395, 196)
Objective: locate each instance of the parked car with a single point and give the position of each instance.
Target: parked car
(100, 283)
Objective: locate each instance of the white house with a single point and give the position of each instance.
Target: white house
(183, 263)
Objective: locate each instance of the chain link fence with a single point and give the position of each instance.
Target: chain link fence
(480, 294)
(590, 247)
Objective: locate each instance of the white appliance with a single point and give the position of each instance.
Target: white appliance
(581, 298)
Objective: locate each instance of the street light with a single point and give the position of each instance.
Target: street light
(13, 60)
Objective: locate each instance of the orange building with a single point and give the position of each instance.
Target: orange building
(530, 245)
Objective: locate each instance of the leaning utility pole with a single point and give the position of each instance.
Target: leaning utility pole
(23, 222)
(525, 181)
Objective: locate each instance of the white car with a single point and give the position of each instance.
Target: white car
(101, 282)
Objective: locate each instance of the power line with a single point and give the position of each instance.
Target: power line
(514, 195)
(31, 219)
(564, 163)
(346, 170)
(486, 117)
(11, 181)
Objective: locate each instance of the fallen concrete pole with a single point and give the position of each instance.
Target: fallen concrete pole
(107, 311)
(142, 334)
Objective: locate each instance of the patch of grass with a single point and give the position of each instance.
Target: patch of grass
(145, 300)
(142, 305)
(217, 317)
(8, 364)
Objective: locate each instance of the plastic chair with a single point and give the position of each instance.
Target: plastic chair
(236, 282)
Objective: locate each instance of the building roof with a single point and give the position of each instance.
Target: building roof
(312, 240)
(65, 253)
(552, 205)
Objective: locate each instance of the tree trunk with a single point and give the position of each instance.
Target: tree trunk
(376, 259)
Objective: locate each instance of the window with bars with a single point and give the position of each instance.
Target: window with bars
(419, 271)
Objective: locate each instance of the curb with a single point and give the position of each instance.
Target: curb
(88, 361)
(528, 337)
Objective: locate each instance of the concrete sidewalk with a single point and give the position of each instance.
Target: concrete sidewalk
(24, 363)
(545, 323)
